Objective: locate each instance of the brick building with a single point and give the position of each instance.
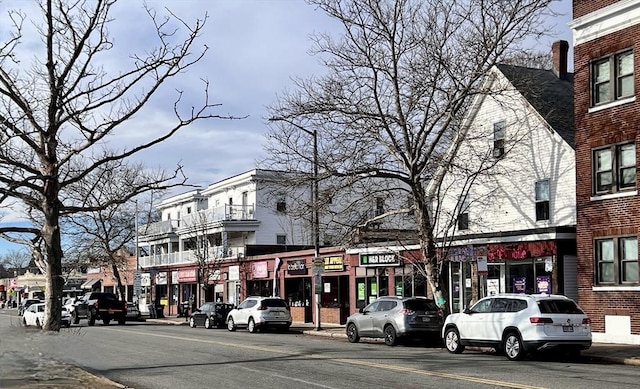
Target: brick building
(606, 85)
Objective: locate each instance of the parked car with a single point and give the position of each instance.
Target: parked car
(516, 324)
(133, 311)
(393, 318)
(70, 303)
(256, 313)
(210, 315)
(24, 304)
(34, 316)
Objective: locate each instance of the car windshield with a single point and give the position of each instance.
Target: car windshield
(559, 306)
(273, 303)
(420, 305)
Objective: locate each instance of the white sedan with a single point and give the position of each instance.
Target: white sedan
(34, 316)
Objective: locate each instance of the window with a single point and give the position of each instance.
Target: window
(379, 206)
(614, 168)
(463, 215)
(542, 200)
(498, 138)
(281, 204)
(612, 78)
(617, 261)
(281, 239)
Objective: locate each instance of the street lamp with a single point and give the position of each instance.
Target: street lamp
(314, 204)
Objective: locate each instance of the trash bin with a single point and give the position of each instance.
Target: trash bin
(160, 311)
(185, 309)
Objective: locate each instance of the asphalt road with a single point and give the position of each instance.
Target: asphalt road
(144, 355)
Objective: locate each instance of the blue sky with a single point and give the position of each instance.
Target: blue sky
(255, 48)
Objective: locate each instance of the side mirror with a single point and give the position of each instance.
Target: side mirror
(468, 310)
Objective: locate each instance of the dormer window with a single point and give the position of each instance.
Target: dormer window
(499, 130)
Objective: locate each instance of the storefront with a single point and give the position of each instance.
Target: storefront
(529, 267)
(375, 276)
(258, 282)
(297, 290)
(188, 290)
(232, 286)
(333, 286)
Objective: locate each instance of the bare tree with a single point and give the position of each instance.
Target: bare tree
(60, 106)
(199, 242)
(15, 260)
(390, 108)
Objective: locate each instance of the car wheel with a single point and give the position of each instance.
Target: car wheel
(24, 322)
(231, 325)
(67, 324)
(74, 317)
(207, 323)
(390, 336)
(452, 341)
(512, 346)
(251, 326)
(122, 320)
(192, 322)
(91, 318)
(352, 333)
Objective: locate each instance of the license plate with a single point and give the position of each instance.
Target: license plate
(426, 319)
(567, 328)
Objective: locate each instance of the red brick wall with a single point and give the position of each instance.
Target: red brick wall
(611, 217)
(583, 7)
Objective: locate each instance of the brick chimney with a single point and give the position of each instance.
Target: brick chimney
(560, 50)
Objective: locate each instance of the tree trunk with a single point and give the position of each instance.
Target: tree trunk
(54, 276)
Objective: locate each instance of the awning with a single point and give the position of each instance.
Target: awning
(90, 283)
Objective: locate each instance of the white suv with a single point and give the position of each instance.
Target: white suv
(516, 324)
(260, 312)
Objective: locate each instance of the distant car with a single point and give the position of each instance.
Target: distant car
(516, 324)
(65, 318)
(70, 303)
(34, 316)
(210, 315)
(256, 313)
(24, 304)
(133, 311)
(392, 318)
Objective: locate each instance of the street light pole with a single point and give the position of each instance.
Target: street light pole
(315, 215)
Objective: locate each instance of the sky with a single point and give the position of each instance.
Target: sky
(255, 48)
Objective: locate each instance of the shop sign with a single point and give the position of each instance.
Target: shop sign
(145, 279)
(333, 263)
(260, 270)
(187, 275)
(297, 267)
(161, 278)
(382, 259)
(214, 275)
(234, 273)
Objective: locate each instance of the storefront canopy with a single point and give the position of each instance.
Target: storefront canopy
(90, 283)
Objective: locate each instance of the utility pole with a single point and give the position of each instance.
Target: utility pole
(315, 214)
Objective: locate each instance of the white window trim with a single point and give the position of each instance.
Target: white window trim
(616, 195)
(614, 103)
(615, 288)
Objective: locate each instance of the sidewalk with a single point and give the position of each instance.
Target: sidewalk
(625, 354)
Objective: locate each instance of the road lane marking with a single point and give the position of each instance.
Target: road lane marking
(395, 368)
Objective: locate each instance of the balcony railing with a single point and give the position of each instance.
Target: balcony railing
(200, 218)
(190, 256)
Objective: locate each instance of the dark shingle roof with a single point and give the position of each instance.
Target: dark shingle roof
(550, 96)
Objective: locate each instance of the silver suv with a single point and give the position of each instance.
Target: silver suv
(394, 317)
(515, 324)
(256, 313)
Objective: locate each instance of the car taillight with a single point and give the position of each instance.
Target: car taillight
(540, 320)
(262, 308)
(405, 311)
(586, 320)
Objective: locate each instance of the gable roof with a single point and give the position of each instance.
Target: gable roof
(551, 96)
